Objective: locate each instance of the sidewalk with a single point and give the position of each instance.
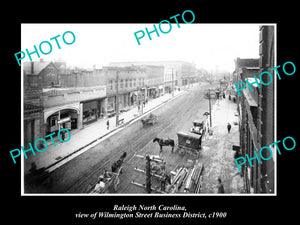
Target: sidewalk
(81, 138)
(218, 156)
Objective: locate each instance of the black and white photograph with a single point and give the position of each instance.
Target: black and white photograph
(108, 111)
(149, 113)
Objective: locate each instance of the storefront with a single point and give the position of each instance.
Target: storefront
(133, 97)
(161, 90)
(92, 111)
(153, 92)
(65, 118)
(111, 102)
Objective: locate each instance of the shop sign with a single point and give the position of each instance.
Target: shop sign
(66, 119)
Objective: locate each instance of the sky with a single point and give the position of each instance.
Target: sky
(209, 46)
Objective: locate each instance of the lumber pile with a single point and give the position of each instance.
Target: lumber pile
(186, 180)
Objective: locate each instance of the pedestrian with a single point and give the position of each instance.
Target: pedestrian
(220, 186)
(107, 124)
(63, 134)
(228, 127)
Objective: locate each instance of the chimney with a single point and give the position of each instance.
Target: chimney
(31, 67)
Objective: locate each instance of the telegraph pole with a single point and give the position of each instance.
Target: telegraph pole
(140, 100)
(148, 174)
(172, 83)
(210, 116)
(117, 99)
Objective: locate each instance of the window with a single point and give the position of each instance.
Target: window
(130, 83)
(134, 82)
(121, 84)
(126, 83)
(110, 84)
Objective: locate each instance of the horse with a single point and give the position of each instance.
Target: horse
(117, 164)
(162, 142)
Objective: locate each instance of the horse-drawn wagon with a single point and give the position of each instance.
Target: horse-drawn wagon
(189, 143)
(150, 120)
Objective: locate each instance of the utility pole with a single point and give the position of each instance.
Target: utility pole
(148, 174)
(172, 83)
(210, 116)
(117, 99)
(140, 100)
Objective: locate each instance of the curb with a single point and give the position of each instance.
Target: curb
(115, 129)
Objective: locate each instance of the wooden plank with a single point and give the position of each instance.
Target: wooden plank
(152, 174)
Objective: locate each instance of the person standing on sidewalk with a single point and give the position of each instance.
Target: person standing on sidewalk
(63, 134)
(107, 124)
(228, 127)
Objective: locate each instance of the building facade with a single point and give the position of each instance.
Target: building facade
(266, 112)
(125, 85)
(181, 73)
(67, 99)
(256, 109)
(32, 111)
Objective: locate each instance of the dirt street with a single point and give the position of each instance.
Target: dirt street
(79, 174)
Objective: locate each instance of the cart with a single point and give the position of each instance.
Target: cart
(189, 143)
(198, 127)
(108, 182)
(150, 120)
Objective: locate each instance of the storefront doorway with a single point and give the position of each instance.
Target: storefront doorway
(66, 118)
(92, 111)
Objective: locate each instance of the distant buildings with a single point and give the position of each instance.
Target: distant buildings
(56, 96)
(180, 72)
(256, 111)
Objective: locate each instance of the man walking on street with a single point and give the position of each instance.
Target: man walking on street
(228, 127)
(220, 186)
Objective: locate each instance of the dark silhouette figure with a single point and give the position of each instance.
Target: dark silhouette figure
(228, 127)
(220, 186)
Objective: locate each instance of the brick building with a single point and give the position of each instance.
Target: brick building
(256, 109)
(266, 102)
(81, 78)
(127, 82)
(66, 98)
(32, 111)
(42, 73)
(181, 73)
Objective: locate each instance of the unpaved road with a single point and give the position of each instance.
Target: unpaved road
(76, 175)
